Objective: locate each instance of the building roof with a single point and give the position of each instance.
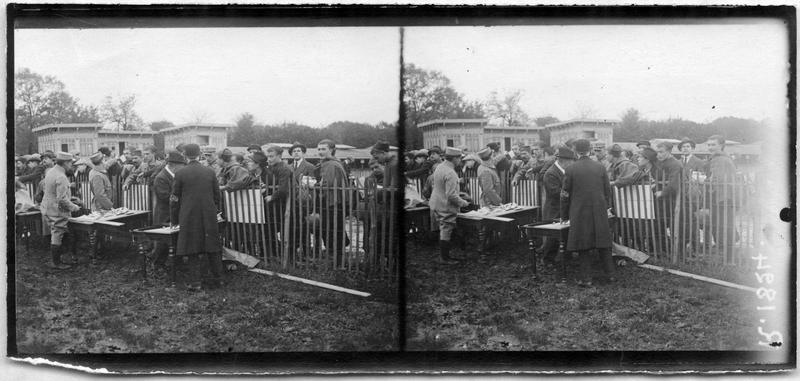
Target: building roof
(581, 121)
(451, 121)
(96, 126)
(190, 125)
(134, 132)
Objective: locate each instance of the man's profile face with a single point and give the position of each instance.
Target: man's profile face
(662, 153)
(713, 146)
(273, 158)
(148, 156)
(524, 156)
(323, 151)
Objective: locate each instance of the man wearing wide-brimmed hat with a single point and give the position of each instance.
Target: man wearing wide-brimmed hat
(585, 203)
(57, 206)
(445, 201)
(195, 202)
(551, 210)
(162, 189)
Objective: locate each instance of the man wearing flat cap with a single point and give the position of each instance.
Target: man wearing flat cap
(236, 176)
(445, 201)
(488, 180)
(623, 171)
(100, 184)
(194, 204)
(300, 166)
(551, 210)
(35, 170)
(57, 206)
(585, 202)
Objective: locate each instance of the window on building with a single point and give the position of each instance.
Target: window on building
(450, 143)
(65, 147)
(203, 140)
(588, 134)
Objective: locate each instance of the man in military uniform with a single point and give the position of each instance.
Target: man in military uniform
(489, 180)
(57, 206)
(100, 184)
(445, 201)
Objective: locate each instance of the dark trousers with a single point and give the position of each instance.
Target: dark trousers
(586, 259)
(200, 267)
(332, 231)
(722, 227)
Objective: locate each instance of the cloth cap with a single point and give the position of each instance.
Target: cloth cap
(259, 157)
(105, 151)
(35, 157)
(525, 149)
(649, 154)
(96, 156)
(254, 146)
(615, 148)
(452, 152)
(207, 149)
(137, 152)
(65, 156)
(298, 145)
(20, 158)
(191, 150)
(565, 153)
(485, 153)
(173, 156)
(381, 146)
(421, 153)
(225, 152)
(583, 145)
(643, 143)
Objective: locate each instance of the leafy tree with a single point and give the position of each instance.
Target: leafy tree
(428, 95)
(245, 132)
(121, 114)
(507, 108)
(545, 120)
(160, 125)
(40, 100)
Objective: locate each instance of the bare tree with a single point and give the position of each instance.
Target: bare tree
(121, 114)
(507, 108)
(584, 110)
(198, 116)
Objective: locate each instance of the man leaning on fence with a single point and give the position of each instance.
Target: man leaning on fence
(586, 200)
(57, 206)
(445, 201)
(331, 178)
(195, 202)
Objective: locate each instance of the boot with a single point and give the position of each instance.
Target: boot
(55, 258)
(444, 253)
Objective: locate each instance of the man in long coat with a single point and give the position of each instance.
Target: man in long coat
(162, 189)
(585, 201)
(489, 180)
(100, 184)
(57, 206)
(331, 176)
(387, 201)
(445, 201)
(195, 202)
(551, 210)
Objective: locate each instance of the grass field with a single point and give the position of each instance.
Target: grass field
(111, 309)
(493, 303)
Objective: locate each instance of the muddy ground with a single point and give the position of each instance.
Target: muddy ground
(493, 303)
(109, 308)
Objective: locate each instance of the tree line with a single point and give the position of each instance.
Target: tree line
(43, 99)
(429, 95)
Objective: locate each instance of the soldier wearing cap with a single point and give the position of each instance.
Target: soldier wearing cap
(524, 165)
(423, 166)
(623, 171)
(57, 206)
(194, 204)
(100, 184)
(489, 180)
(551, 210)
(35, 171)
(253, 148)
(585, 203)
(300, 166)
(445, 201)
(20, 166)
(236, 176)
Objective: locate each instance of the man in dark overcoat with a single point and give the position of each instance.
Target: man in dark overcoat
(585, 201)
(668, 172)
(551, 210)
(162, 189)
(194, 204)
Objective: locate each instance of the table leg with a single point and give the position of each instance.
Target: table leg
(27, 235)
(143, 254)
(171, 260)
(93, 243)
(563, 264)
(532, 249)
(481, 239)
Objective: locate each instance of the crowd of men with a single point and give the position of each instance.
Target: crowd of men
(577, 178)
(186, 184)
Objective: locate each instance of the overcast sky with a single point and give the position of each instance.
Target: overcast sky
(697, 72)
(314, 76)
